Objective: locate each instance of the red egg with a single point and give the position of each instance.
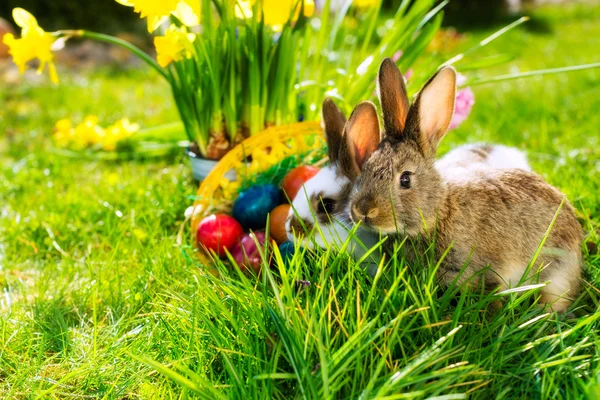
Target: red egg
(218, 232)
(246, 253)
(294, 180)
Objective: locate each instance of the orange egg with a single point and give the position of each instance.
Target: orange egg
(294, 180)
(277, 222)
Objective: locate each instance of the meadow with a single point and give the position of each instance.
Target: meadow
(100, 301)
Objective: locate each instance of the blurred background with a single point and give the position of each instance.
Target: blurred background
(111, 17)
(85, 236)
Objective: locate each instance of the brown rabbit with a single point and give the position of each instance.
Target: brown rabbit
(495, 217)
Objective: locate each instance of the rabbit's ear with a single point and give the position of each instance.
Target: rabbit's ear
(393, 98)
(334, 121)
(432, 111)
(362, 136)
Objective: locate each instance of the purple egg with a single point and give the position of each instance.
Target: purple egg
(246, 253)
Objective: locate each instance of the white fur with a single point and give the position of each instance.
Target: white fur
(459, 164)
(330, 184)
(325, 181)
(503, 157)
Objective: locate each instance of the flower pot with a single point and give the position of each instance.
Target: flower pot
(201, 166)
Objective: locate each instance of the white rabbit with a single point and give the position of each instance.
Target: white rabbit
(460, 164)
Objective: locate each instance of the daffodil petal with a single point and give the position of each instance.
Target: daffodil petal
(188, 12)
(53, 74)
(33, 44)
(24, 19)
(173, 46)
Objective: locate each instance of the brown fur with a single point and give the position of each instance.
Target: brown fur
(393, 97)
(482, 151)
(333, 121)
(501, 220)
(359, 139)
(300, 227)
(496, 219)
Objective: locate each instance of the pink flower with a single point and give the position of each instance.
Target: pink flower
(465, 98)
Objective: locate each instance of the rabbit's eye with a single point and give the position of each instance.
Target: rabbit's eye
(405, 180)
(326, 205)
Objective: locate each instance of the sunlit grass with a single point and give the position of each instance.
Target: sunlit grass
(98, 301)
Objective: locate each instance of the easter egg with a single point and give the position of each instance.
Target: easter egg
(277, 218)
(287, 250)
(246, 252)
(218, 232)
(294, 180)
(253, 205)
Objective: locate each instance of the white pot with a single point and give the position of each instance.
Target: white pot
(201, 167)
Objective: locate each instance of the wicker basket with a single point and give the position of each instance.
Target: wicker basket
(252, 157)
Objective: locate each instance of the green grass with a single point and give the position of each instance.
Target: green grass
(99, 302)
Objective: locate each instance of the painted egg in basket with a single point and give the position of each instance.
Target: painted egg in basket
(277, 219)
(218, 232)
(254, 204)
(246, 252)
(297, 177)
(288, 249)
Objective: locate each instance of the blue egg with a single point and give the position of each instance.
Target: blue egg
(287, 250)
(254, 204)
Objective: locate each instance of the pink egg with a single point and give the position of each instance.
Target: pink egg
(246, 253)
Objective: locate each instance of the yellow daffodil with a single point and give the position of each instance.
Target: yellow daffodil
(364, 3)
(276, 12)
(63, 133)
(157, 11)
(88, 133)
(109, 143)
(33, 44)
(188, 12)
(120, 130)
(173, 46)
(123, 128)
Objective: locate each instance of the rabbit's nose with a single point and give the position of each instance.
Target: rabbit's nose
(362, 212)
(357, 216)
